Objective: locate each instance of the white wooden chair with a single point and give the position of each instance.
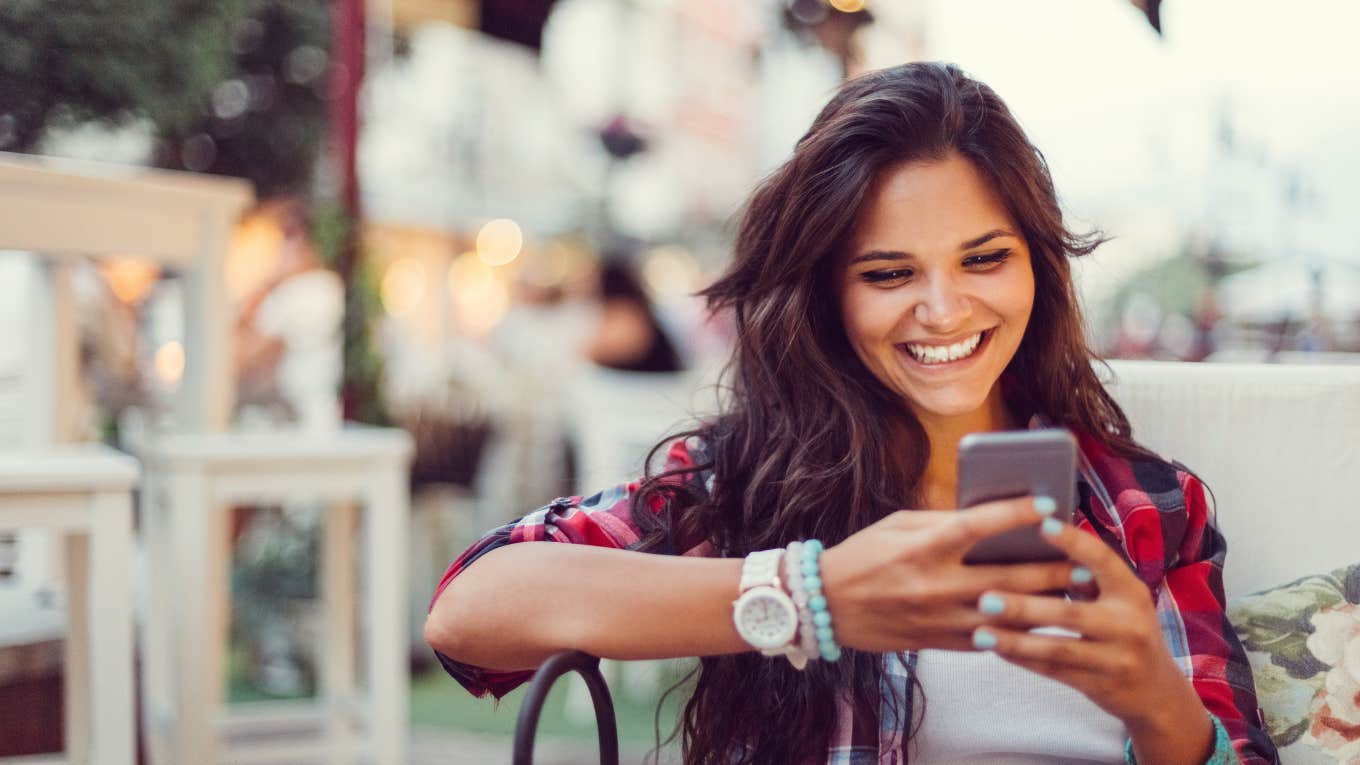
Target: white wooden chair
(183, 222)
(191, 480)
(67, 514)
(57, 211)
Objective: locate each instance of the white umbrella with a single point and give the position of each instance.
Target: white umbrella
(1293, 289)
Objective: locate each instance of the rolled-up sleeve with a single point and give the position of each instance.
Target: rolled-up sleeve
(1209, 648)
(603, 519)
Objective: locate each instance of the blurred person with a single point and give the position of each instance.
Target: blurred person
(288, 343)
(902, 280)
(1207, 317)
(628, 336)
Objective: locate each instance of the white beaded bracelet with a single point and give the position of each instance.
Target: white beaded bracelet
(793, 575)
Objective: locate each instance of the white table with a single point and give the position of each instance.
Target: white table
(85, 495)
(190, 481)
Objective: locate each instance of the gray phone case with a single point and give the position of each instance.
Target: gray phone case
(1014, 464)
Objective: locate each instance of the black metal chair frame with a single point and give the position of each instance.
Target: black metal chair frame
(588, 667)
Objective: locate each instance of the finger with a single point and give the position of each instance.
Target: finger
(1019, 612)
(916, 519)
(1054, 652)
(965, 527)
(969, 582)
(1110, 572)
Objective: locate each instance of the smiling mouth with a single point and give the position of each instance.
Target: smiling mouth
(936, 355)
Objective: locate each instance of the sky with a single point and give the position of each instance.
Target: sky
(1130, 122)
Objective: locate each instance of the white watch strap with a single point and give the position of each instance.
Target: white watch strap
(761, 568)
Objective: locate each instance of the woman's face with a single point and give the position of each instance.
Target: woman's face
(937, 287)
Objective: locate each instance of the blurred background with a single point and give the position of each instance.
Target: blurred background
(482, 222)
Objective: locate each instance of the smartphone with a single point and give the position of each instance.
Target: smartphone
(1015, 464)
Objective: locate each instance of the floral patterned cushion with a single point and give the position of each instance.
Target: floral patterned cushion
(1303, 639)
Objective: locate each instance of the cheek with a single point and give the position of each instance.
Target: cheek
(868, 317)
(1018, 301)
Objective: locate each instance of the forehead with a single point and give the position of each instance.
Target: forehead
(927, 207)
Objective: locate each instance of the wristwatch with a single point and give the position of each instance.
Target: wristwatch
(764, 614)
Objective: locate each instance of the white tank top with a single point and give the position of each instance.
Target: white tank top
(980, 709)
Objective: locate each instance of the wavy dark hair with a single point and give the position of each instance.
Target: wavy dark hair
(810, 443)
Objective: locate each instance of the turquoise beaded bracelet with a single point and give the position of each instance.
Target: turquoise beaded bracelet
(821, 617)
(1222, 754)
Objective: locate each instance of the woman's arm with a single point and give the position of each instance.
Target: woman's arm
(615, 604)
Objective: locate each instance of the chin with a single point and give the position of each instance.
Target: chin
(945, 406)
(944, 409)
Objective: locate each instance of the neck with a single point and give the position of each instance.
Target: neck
(939, 484)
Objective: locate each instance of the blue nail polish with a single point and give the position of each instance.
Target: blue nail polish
(1081, 575)
(1051, 527)
(1045, 505)
(991, 603)
(984, 640)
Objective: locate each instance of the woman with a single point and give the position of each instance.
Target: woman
(900, 281)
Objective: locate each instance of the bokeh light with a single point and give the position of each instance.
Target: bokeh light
(130, 278)
(847, 6)
(479, 299)
(499, 242)
(251, 255)
(670, 271)
(169, 363)
(403, 287)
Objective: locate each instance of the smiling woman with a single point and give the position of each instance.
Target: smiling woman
(901, 281)
(934, 320)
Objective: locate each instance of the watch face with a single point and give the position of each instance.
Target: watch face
(766, 620)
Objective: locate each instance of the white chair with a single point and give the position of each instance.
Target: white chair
(614, 418)
(1278, 445)
(83, 495)
(190, 481)
(65, 517)
(60, 210)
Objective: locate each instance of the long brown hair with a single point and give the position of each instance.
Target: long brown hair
(810, 443)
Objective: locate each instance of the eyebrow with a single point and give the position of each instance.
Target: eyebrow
(976, 241)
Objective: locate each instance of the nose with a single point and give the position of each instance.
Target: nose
(943, 308)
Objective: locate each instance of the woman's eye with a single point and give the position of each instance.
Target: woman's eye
(894, 275)
(986, 261)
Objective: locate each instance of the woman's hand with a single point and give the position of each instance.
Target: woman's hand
(901, 583)
(1120, 661)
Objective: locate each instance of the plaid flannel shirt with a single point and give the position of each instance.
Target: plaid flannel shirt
(1154, 513)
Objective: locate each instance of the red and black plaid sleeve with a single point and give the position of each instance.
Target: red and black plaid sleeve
(603, 519)
(1209, 649)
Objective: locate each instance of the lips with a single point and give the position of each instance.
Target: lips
(936, 356)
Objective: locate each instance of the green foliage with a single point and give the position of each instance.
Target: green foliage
(331, 231)
(67, 61)
(275, 131)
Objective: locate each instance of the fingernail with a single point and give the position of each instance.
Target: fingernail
(984, 640)
(991, 603)
(1051, 527)
(1045, 505)
(1081, 575)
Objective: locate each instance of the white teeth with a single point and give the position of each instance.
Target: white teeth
(935, 354)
